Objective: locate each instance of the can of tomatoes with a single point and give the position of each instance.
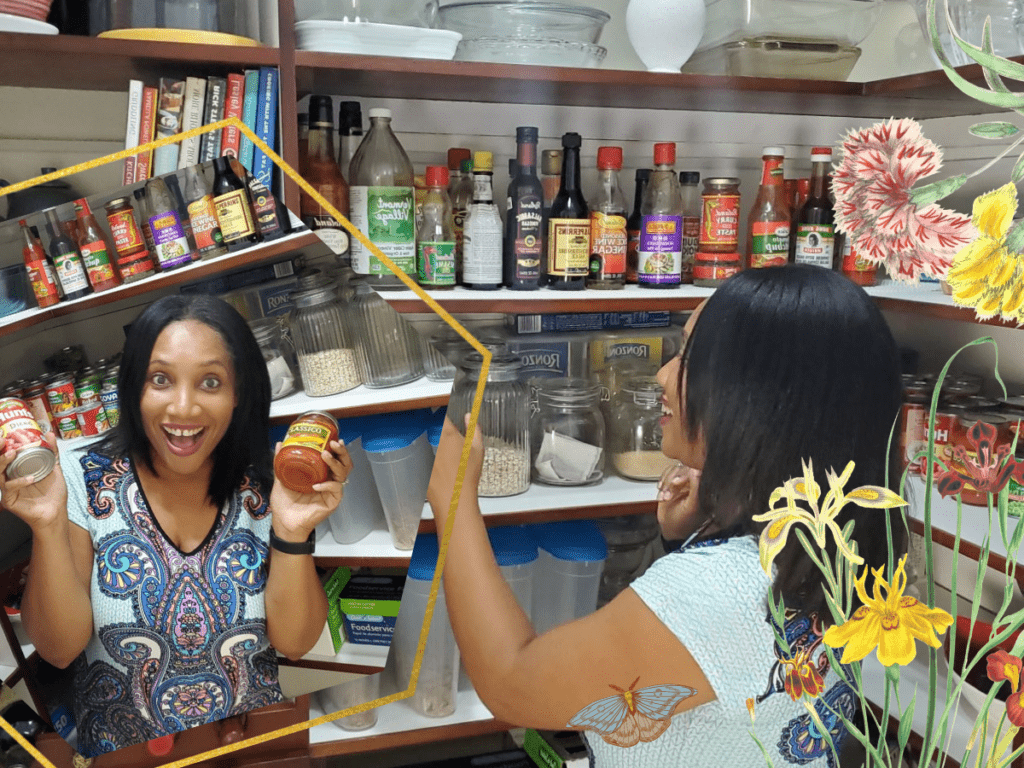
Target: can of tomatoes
(92, 419)
(961, 437)
(22, 433)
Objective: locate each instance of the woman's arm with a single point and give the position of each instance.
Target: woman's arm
(295, 601)
(56, 607)
(541, 681)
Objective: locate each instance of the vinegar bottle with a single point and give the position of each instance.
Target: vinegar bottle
(815, 229)
(608, 239)
(66, 261)
(568, 235)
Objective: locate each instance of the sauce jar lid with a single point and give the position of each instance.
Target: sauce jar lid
(117, 203)
(722, 181)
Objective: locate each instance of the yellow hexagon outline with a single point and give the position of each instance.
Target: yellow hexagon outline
(466, 444)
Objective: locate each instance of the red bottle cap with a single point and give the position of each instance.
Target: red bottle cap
(609, 158)
(162, 746)
(665, 153)
(455, 157)
(437, 176)
(84, 205)
(821, 151)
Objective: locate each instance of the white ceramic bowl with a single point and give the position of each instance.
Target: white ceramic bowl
(360, 37)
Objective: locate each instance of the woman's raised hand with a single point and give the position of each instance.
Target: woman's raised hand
(296, 514)
(40, 504)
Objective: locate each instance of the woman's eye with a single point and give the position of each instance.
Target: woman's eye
(158, 380)
(211, 382)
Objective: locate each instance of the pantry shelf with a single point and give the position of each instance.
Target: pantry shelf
(357, 659)
(360, 401)
(926, 300)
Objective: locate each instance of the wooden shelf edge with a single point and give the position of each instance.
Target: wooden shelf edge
(332, 561)
(407, 738)
(329, 666)
(567, 513)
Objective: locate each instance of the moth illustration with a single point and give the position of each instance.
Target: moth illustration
(632, 716)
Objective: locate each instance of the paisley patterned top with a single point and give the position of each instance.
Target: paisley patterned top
(180, 637)
(713, 596)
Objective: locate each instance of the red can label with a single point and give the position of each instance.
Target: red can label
(92, 419)
(67, 426)
(39, 409)
(945, 424)
(915, 419)
(720, 222)
(62, 398)
(18, 428)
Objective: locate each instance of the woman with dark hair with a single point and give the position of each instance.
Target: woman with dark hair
(151, 559)
(778, 367)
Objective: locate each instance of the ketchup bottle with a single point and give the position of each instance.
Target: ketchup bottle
(94, 249)
(40, 273)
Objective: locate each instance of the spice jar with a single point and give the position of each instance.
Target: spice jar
(710, 270)
(635, 439)
(567, 432)
(299, 465)
(20, 432)
(325, 341)
(268, 336)
(391, 353)
(504, 422)
(720, 216)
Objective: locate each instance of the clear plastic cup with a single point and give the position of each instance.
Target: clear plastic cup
(516, 553)
(401, 464)
(349, 694)
(360, 509)
(567, 573)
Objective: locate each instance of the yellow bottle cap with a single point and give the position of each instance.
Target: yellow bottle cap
(483, 161)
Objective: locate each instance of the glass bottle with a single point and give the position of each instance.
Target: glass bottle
(690, 191)
(567, 432)
(182, 209)
(482, 236)
(456, 155)
(608, 238)
(350, 132)
(382, 201)
(324, 175)
(172, 247)
(142, 208)
(642, 177)
(92, 244)
(462, 200)
(524, 242)
(815, 229)
(40, 273)
(303, 118)
(551, 175)
(435, 239)
(389, 347)
(568, 234)
(660, 253)
(234, 208)
(801, 189)
(66, 261)
(768, 239)
(205, 228)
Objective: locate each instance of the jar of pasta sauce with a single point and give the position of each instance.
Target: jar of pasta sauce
(22, 433)
(720, 216)
(299, 465)
(134, 260)
(970, 494)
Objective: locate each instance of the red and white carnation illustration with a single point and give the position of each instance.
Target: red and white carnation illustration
(889, 222)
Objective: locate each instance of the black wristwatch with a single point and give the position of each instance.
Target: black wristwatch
(293, 547)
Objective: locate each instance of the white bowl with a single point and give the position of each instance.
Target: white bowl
(366, 38)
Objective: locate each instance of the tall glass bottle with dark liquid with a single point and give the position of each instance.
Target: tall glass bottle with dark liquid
(524, 242)
(815, 227)
(568, 241)
(643, 175)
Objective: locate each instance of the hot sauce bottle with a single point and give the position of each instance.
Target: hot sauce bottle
(40, 274)
(94, 249)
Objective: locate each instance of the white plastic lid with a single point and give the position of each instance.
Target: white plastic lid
(773, 151)
(380, 112)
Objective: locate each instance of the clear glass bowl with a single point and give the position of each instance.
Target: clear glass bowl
(551, 53)
(524, 20)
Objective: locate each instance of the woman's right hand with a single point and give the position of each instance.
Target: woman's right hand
(677, 501)
(40, 504)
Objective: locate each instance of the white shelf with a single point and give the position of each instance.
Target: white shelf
(464, 295)
(376, 545)
(922, 293)
(361, 397)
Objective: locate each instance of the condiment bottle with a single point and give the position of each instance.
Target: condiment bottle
(660, 254)
(861, 271)
(524, 220)
(568, 235)
(642, 177)
(456, 155)
(462, 200)
(234, 209)
(768, 238)
(172, 247)
(720, 215)
(94, 249)
(688, 181)
(382, 201)
(265, 206)
(205, 227)
(299, 464)
(435, 239)
(324, 175)
(608, 238)
(134, 260)
(303, 120)
(815, 229)
(142, 208)
(350, 132)
(179, 205)
(801, 188)
(551, 175)
(66, 261)
(482, 237)
(40, 274)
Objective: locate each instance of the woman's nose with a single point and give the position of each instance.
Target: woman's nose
(184, 402)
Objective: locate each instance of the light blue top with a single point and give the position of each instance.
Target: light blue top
(713, 596)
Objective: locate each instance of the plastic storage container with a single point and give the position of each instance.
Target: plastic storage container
(401, 461)
(360, 509)
(437, 687)
(14, 290)
(349, 694)
(516, 553)
(571, 556)
(434, 426)
(628, 538)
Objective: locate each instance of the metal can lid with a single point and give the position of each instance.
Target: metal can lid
(721, 181)
(35, 462)
(995, 419)
(60, 380)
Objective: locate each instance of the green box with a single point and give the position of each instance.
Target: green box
(369, 606)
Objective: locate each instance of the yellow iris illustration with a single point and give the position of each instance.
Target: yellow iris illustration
(988, 274)
(890, 623)
(818, 519)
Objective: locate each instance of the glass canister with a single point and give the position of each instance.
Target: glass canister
(391, 353)
(268, 333)
(440, 352)
(504, 422)
(567, 432)
(635, 431)
(327, 346)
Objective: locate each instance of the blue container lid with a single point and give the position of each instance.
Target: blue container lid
(423, 562)
(384, 443)
(575, 540)
(434, 434)
(350, 430)
(392, 424)
(512, 545)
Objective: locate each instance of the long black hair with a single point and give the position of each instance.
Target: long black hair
(245, 445)
(784, 365)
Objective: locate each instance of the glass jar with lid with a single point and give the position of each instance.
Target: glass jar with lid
(326, 342)
(391, 353)
(635, 439)
(504, 421)
(268, 333)
(567, 432)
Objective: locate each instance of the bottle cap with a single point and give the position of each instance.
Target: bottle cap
(773, 152)
(483, 162)
(466, 166)
(689, 177)
(821, 154)
(665, 153)
(551, 162)
(82, 206)
(609, 158)
(350, 117)
(321, 109)
(571, 140)
(526, 133)
(643, 175)
(380, 112)
(437, 176)
(455, 157)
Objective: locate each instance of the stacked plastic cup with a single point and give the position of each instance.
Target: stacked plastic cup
(516, 553)
(360, 509)
(434, 426)
(567, 574)
(349, 694)
(401, 461)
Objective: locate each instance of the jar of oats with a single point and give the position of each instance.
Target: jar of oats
(504, 421)
(327, 349)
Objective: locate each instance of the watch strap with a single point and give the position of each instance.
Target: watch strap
(306, 547)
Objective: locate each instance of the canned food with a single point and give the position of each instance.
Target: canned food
(35, 399)
(955, 390)
(970, 494)
(87, 389)
(21, 432)
(60, 393)
(92, 419)
(67, 424)
(110, 403)
(945, 425)
(915, 419)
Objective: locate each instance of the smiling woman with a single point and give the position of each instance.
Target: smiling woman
(151, 563)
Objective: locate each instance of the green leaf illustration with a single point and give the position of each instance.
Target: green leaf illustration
(926, 195)
(906, 723)
(993, 130)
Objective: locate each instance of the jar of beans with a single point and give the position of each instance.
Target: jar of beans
(325, 342)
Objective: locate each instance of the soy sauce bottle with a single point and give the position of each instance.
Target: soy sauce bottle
(568, 242)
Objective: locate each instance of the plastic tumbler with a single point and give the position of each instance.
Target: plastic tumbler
(567, 574)
(360, 509)
(401, 462)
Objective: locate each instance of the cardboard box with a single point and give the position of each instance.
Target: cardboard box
(369, 606)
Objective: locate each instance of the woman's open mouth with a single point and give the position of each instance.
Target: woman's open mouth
(183, 441)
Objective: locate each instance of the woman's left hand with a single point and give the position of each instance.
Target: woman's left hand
(296, 514)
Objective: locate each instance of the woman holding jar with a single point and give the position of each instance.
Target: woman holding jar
(165, 557)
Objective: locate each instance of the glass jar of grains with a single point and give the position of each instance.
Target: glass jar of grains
(567, 432)
(635, 439)
(322, 330)
(504, 421)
